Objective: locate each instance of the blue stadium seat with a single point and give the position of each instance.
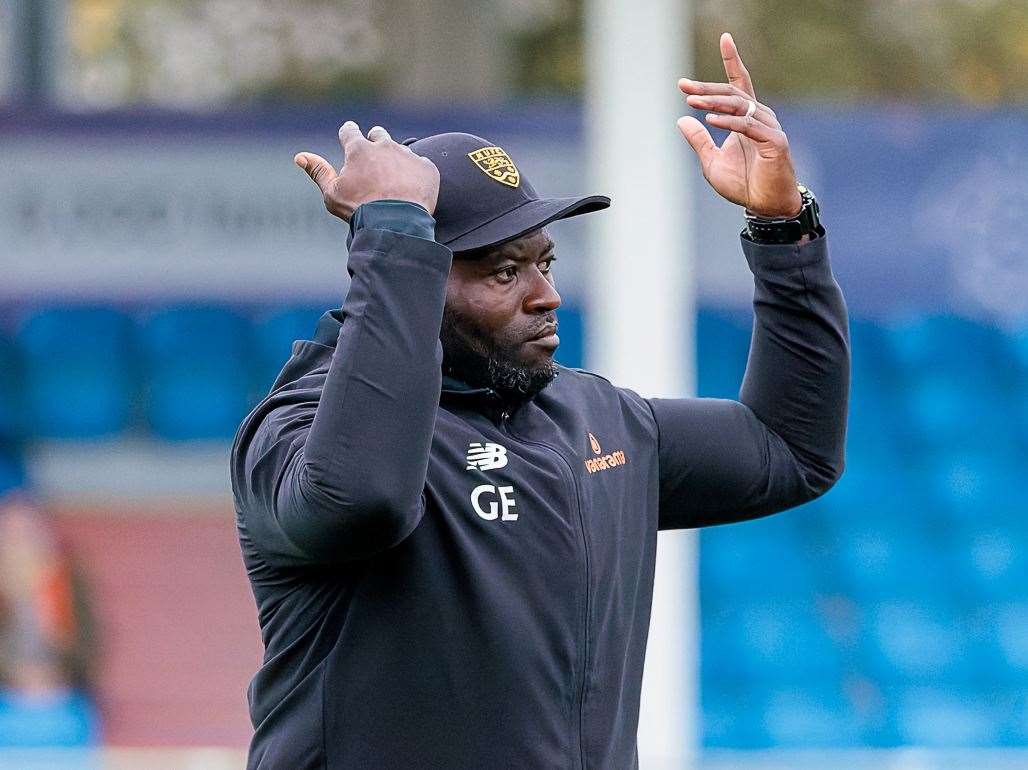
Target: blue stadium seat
(1010, 625)
(756, 559)
(872, 371)
(933, 342)
(59, 719)
(719, 660)
(809, 716)
(953, 380)
(890, 560)
(571, 331)
(732, 717)
(198, 372)
(991, 560)
(937, 717)
(11, 409)
(1017, 346)
(976, 486)
(1020, 420)
(919, 642)
(273, 338)
(873, 492)
(955, 408)
(78, 376)
(772, 641)
(872, 438)
(12, 472)
(1020, 416)
(1015, 723)
(722, 346)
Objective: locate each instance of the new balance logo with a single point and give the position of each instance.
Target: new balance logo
(486, 457)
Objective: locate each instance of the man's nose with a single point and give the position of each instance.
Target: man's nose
(542, 297)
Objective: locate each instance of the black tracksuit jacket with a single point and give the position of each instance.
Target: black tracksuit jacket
(447, 581)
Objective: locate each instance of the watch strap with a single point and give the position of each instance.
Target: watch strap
(779, 230)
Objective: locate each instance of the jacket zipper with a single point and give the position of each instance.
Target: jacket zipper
(580, 695)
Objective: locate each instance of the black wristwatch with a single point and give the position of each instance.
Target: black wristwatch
(786, 229)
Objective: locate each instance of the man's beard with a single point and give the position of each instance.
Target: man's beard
(482, 361)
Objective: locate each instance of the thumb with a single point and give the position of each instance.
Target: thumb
(698, 137)
(317, 168)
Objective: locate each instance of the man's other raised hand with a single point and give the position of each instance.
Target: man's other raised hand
(753, 167)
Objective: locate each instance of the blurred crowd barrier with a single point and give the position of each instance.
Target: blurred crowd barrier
(922, 204)
(146, 306)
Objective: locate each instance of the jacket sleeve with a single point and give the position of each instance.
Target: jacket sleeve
(334, 469)
(782, 443)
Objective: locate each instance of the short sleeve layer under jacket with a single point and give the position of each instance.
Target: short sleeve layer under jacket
(445, 580)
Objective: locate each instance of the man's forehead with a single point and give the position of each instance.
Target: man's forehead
(529, 246)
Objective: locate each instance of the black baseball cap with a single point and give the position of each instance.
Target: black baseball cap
(484, 199)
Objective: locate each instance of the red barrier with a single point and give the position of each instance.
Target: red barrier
(177, 622)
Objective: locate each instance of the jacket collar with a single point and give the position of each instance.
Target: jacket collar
(455, 387)
(485, 399)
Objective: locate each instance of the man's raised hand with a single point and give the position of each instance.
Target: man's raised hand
(374, 168)
(753, 167)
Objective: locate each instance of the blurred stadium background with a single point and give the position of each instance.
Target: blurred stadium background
(159, 252)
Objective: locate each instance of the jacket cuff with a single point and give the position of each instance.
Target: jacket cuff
(782, 256)
(396, 216)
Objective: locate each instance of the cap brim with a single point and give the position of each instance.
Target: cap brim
(526, 218)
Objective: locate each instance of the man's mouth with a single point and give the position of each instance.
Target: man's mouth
(547, 336)
(546, 331)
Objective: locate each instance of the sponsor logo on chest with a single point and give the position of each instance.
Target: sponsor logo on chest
(603, 461)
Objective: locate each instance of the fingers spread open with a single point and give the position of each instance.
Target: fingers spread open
(734, 68)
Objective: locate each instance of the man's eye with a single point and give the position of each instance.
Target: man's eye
(507, 274)
(547, 264)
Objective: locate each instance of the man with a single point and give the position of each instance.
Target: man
(450, 537)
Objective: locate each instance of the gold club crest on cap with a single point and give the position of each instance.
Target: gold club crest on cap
(496, 164)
